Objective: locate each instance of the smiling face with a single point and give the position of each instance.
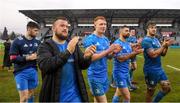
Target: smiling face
(132, 32)
(100, 24)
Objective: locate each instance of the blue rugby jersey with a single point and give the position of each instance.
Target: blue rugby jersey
(132, 39)
(20, 48)
(151, 64)
(98, 68)
(68, 81)
(122, 67)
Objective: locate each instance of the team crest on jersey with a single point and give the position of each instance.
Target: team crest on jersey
(30, 45)
(25, 45)
(35, 44)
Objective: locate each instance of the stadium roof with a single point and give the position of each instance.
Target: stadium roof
(115, 16)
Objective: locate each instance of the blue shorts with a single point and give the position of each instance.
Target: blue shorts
(98, 87)
(26, 79)
(152, 78)
(121, 80)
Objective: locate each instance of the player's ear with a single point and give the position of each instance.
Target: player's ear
(120, 30)
(52, 28)
(28, 28)
(94, 25)
(147, 30)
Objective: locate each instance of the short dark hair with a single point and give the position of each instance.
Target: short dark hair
(132, 29)
(151, 23)
(32, 25)
(60, 18)
(125, 26)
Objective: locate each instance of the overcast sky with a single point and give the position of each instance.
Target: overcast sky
(15, 21)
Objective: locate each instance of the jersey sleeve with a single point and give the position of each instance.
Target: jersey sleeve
(15, 56)
(14, 49)
(88, 41)
(147, 45)
(120, 53)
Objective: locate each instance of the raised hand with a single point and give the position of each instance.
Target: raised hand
(117, 49)
(169, 42)
(136, 46)
(89, 51)
(72, 44)
(113, 47)
(138, 51)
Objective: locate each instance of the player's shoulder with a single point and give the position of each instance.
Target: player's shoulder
(105, 38)
(88, 38)
(18, 39)
(130, 37)
(147, 39)
(156, 39)
(117, 41)
(37, 40)
(91, 36)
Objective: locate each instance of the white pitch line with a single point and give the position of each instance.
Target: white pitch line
(173, 67)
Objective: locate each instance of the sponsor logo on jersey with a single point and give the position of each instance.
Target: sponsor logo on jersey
(25, 45)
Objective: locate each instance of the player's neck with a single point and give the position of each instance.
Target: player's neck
(27, 36)
(57, 40)
(122, 38)
(98, 34)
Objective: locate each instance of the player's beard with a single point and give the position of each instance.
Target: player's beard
(125, 36)
(31, 35)
(61, 36)
(152, 34)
